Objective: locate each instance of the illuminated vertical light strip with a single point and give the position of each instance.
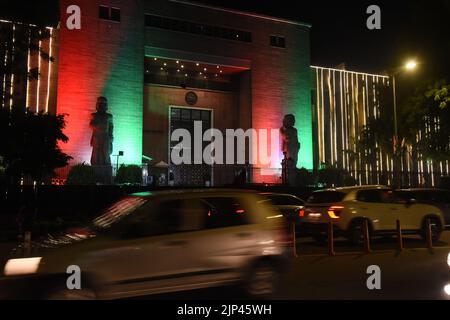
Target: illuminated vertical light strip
(11, 88)
(418, 164)
(378, 155)
(330, 114)
(39, 74)
(4, 78)
(49, 69)
(353, 106)
(421, 156)
(347, 120)
(342, 118)
(375, 113)
(28, 69)
(319, 145)
(348, 165)
(335, 118)
(431, 166)
(322, 116)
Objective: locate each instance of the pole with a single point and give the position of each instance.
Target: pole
(399, 236)
(294, 240)
(395, 142)
(429, 235)
(395, 106)
(366, 236)
(330, 239)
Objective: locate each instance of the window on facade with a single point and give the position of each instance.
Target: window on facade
(103, 12)
(108, 13)
(197, 28)
(276, 41)
(115, 14)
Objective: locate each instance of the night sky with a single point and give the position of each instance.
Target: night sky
(415, 28)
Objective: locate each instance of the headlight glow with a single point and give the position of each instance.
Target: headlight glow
(22, 266)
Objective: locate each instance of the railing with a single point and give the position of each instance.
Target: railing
(224, 175)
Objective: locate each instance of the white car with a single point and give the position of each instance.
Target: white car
(163, 242)
(347, 208)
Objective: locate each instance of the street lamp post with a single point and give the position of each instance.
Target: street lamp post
(409, 66)
(394, 85)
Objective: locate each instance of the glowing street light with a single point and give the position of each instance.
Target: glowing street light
(411, 65)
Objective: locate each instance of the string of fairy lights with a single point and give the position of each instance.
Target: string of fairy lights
(344, 101)
(195, 70)
(37, 95)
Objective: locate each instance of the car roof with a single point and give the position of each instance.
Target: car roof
(277, 194)
(354, 188)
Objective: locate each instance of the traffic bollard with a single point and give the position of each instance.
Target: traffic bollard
(366, 236)
(399, 236)
(429, 235)
(330, 239)
(294, 237)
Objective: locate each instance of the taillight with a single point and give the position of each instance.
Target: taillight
(335, 211)
(301, 213)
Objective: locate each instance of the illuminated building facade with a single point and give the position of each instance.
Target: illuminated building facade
(164, 64)
(247, 71)
(18, 89)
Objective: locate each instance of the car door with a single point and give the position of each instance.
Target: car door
(227, 239)
(400, 210)
(370, 204)
(149, 251)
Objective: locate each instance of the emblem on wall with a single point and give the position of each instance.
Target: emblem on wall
(191, 98)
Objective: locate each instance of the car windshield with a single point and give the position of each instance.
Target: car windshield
(118, 211)
(326, 197)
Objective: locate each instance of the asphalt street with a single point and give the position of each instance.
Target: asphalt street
(414, 273)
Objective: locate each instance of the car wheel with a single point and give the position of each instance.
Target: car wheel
(436, 229)
(262, 280)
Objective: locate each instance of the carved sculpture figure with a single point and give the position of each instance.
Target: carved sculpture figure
(102, 134)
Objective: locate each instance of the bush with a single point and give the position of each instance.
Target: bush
(305, 178)
(129, 174)
(81, 174)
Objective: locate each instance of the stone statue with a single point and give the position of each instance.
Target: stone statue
(102, 134)
(290, 146)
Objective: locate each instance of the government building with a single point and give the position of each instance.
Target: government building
(163, 64)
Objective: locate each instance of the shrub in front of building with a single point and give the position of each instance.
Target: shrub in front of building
(129, 174)
(81, 174)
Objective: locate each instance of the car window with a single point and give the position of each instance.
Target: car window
(372, 196)
(326, 197)
(389, 196)
(225, 212)
(440, 196)
(118, 211)
(194, 214)
(161, 218)
(286, 201)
